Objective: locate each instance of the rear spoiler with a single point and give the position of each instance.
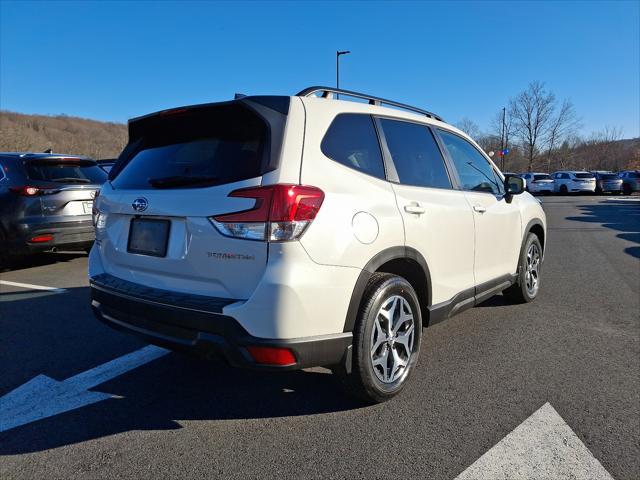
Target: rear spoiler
(62, 159)
(273, 109)
(276, 103)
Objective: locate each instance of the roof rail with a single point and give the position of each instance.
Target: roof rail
(327, 92)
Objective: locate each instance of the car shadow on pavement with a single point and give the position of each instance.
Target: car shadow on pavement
(620, 215)
(65, 339)
(39, 260)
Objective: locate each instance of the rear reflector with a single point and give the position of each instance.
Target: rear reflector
(272, 355)
(41, 239)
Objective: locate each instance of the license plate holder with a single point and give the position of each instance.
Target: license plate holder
(149, 236)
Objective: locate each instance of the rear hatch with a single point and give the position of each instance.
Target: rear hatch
(610, 179)
(155, 223)
(584, 178)
(542, 179)
(64, 187)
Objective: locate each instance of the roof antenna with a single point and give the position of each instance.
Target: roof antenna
(48, 150)
(238, 96)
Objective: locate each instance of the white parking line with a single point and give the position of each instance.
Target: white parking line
(543, 446)
(32, 287)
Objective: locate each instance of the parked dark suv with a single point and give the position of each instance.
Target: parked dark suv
(46, 201)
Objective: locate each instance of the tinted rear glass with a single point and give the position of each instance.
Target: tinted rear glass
(66, 172)
(415, 154)
(352, 141)
(542, 177)
(634, 175)
(584, 175)
(610, 176)
(205, 147)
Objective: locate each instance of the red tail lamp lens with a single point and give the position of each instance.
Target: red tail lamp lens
(41, 239)
(272, 355)
(277, 203)
(281, 212)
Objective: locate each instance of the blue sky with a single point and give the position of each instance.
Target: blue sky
(115, 60)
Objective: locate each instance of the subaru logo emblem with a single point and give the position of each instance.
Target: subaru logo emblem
(92, 194)
(140, 204)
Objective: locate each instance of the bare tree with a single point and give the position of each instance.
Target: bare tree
(563, 125)
(469, 127)
(532, 114)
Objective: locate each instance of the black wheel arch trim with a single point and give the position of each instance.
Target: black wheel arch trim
(391, 253)
(527, 230)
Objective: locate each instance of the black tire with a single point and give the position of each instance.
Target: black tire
(363, 381)
(520, 292)
(564, 190)
(626, 189)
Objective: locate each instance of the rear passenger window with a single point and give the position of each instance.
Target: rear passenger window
(415, 154)
(352, 141)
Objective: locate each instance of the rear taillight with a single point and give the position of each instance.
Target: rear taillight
(94, 210)
(31, 191)
(281, 213)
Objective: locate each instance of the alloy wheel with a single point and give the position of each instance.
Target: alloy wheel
(392, 339)
(532, 273)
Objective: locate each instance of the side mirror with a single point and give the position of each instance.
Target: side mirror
(514, 185)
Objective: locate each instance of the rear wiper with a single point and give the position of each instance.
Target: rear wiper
(178, 180)
(71, 180)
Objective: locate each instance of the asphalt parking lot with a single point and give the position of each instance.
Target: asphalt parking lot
(480, 376)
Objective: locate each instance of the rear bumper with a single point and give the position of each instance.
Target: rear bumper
(582, 188)
(611, 187)
(78, 233)
(540, 188)
(196, 324)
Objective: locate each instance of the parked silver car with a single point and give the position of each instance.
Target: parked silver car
(607, 182)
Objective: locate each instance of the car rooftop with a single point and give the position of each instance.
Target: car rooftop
(363, 102)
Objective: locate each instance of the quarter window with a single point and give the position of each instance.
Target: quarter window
(475, 172)
(352, 141)
(415, 154)
(2, 175)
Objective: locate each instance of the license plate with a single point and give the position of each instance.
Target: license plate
(87, 207)
(149, 237)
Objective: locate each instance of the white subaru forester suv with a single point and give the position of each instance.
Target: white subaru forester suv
(283, 232)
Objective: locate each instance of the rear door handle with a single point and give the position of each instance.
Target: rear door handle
(414, 208)
(479, 208)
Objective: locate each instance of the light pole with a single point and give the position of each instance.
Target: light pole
(503, 140)
(338, 53)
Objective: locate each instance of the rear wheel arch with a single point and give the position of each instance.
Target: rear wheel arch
(403, 261)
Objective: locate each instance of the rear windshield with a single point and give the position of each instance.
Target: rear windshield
(82, 172)
(542, 177)
(609, 176)
(205, 147)
(584, 175)
(634, 175)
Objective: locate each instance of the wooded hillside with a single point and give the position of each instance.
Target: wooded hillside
(63, 134)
